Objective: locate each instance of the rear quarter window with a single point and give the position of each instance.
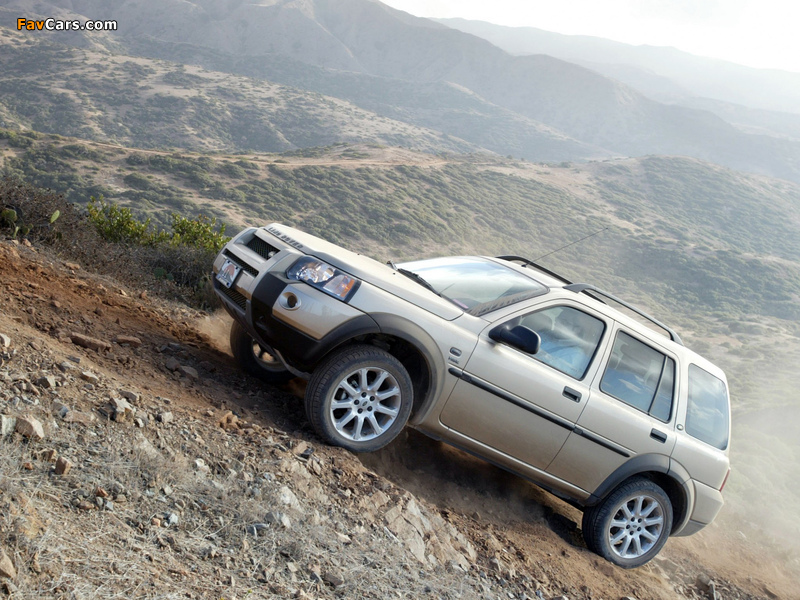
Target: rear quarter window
(707, 417)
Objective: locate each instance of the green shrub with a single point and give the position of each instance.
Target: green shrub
(198, 233)
(137, 181)
(111, 240)
(117, 224)
(232, 170)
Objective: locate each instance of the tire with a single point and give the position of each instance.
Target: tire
(359, 398)
(256, 360)
(587, 525)
(631, 525)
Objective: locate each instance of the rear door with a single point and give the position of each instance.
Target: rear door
(522, 406)
(630, 413)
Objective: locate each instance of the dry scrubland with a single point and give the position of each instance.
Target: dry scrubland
(162, 472)
(268, 511)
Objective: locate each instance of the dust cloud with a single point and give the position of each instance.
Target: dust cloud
(755, 541)
(453, 479)
(756, 538)
(763, 493)
(216, 327)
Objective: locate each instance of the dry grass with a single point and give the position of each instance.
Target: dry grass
(174, 272)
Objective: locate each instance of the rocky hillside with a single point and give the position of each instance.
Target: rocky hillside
(147, 103)
(138, 462)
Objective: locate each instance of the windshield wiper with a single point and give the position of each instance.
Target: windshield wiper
(419, 279)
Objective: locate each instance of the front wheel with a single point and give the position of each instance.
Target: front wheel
(359, 398)
(256, 360)
(631, 525)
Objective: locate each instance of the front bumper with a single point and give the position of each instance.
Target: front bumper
(302, 323)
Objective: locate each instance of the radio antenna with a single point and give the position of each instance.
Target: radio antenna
(570, 244)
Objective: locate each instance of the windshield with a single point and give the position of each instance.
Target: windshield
(476, 285)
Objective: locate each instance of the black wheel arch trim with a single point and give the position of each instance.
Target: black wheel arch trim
(414, 334)
(304, 352)
(639, 465)
(678, 472)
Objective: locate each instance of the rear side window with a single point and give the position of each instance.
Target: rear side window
(640, 376)
(707, 416)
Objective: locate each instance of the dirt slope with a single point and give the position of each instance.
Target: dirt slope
(187, 479)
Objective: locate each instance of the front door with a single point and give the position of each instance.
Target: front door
(523, 406)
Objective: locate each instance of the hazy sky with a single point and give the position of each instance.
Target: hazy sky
(757, 33)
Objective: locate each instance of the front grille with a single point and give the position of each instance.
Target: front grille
(262, 248)
(245, 267)
(237, 298)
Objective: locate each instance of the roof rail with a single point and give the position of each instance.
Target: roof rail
(527, 262)
(592, 290)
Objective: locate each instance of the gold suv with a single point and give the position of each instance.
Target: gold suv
(561, 383)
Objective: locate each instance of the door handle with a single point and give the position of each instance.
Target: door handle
(658, 436)
(573, 395)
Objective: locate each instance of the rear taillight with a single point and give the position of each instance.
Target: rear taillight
(724, 481)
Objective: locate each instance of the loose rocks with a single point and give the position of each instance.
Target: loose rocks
(90, 377)
(6, 566)
(7, 425)
(63, 466)
(130, 340)
(30, 428)
(89, 342)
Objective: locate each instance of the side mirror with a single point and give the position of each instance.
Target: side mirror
(519, 337)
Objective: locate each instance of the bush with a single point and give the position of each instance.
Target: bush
(198, 233)
(32, 213)
(117, 224)
(109, 239)
(137, 181)
(181, 256)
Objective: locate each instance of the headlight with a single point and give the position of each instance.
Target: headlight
(324, 277)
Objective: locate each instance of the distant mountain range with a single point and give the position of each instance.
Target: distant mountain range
(757, 100)
(662, 73)
(418, 72)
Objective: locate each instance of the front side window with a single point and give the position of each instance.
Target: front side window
(707, 416)
(640, 376)
(569, 338)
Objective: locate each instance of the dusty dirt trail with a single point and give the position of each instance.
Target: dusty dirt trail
(417, 519)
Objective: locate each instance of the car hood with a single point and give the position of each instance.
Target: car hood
(366, 269)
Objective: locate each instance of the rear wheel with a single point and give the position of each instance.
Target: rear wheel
(255, 359)
(631, 525)
(359, 398)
